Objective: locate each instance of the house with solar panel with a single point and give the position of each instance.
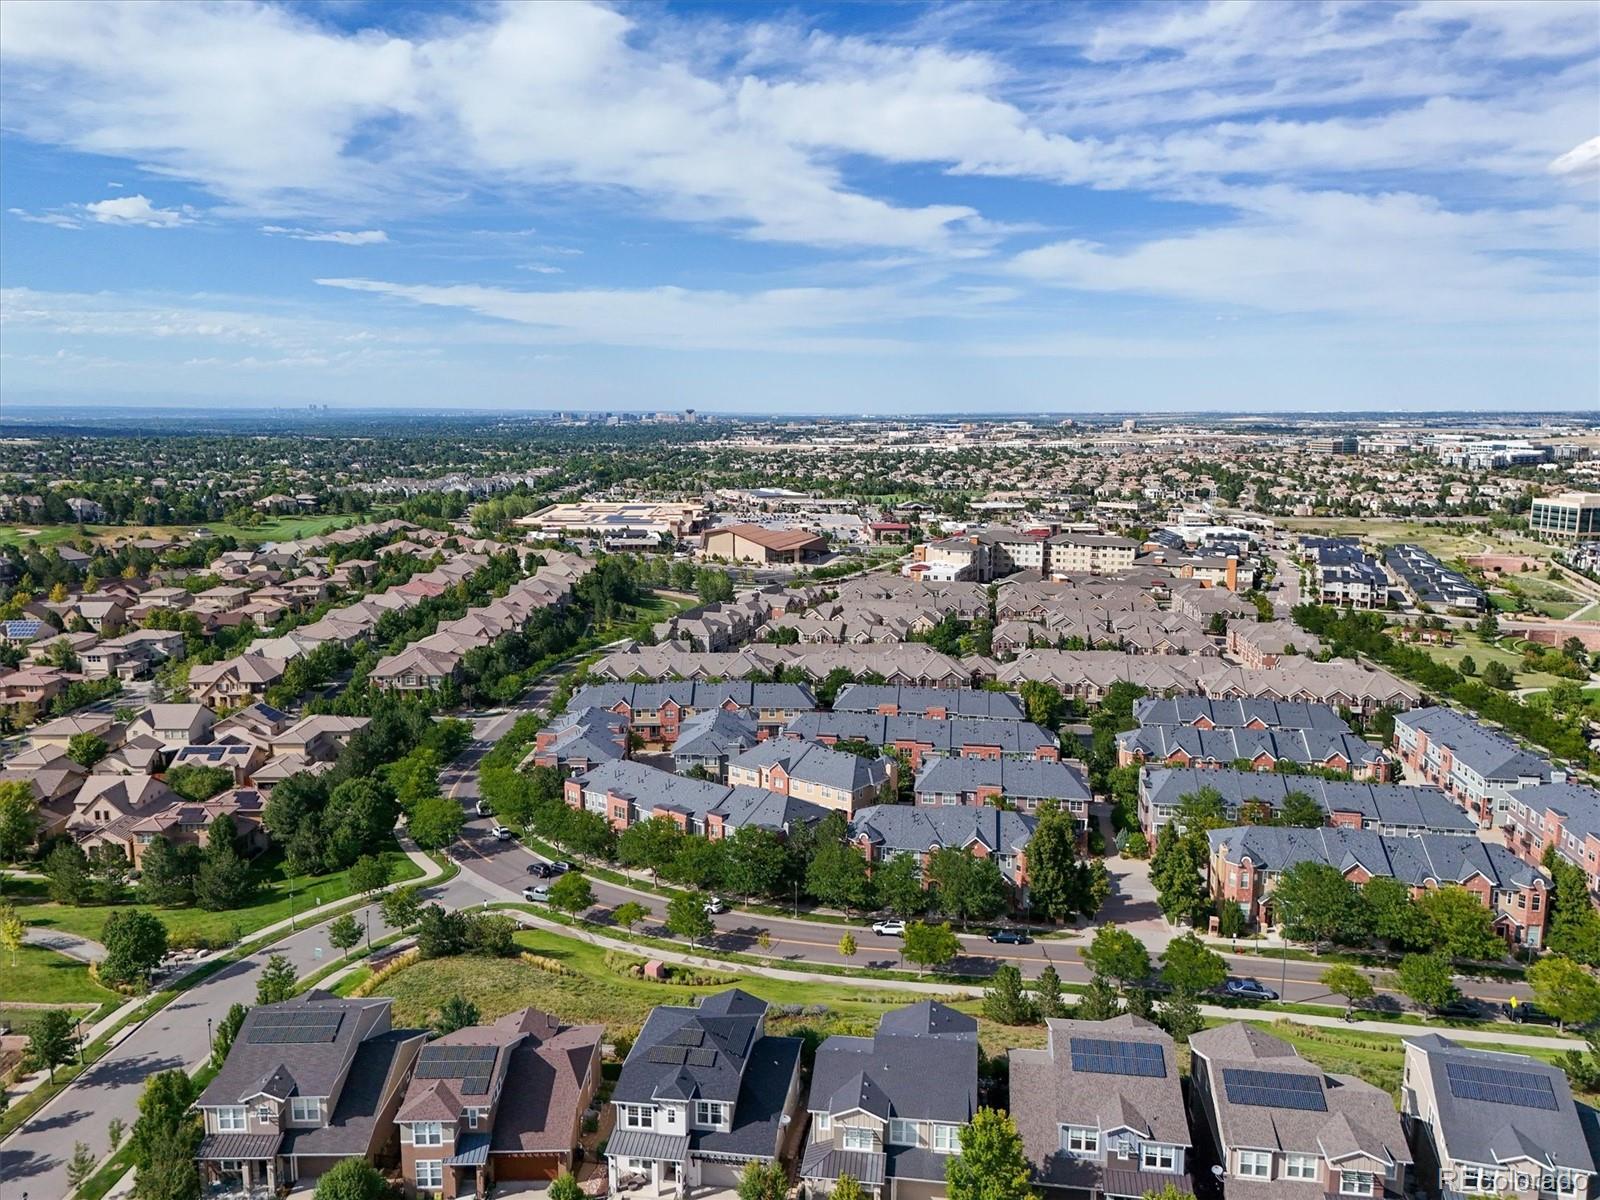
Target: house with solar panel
(1100, 1110)
(704, 1091)
(1283, 1129)
(306, 1083)
(1484, 1122)
(497, 1103)
(888, 1110)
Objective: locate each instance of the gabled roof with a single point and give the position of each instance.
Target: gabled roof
(322, 1038)
(921, 1064)
(1017, 778)
(1489, 753)
(1420, 861)
(695, 1051)
(900, 827)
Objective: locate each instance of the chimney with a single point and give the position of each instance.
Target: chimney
(1233, 572)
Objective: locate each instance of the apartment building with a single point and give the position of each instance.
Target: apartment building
(306, 1083)
(1388, 808)
(1433, 585)
(704, 1091)
(1486, 1123)
(496, 1104)
(578, 739)
(812, 772)
(936, 704)
(709, 739)
(1100, 1110)
(886, 831)
(1259, 645)
(1262, 749)
(1344, 574)
(1479, 768)
(1247, 861)
(626, 792)
(888, 1110)
(1021, 783)
(1089, 554)
(1282, 1129)
(1568, 515)
(917, 737)
(1563, 815)
(656, 711)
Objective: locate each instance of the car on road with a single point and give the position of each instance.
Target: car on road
(1009, 937)
(1527, 1013)
(540, 870)
(1461, 1008)
(538, 894)
(483, 809)
(502, 834)
(561, 868)
(1248, 989)
(895, 928)
(715, 906)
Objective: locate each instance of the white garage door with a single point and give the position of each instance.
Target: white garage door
(720, 1175)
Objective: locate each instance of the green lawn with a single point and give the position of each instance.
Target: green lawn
(45, 535)
(183, 924)
(1446, 539)
(42, 976)
(1482, 653)
(271, 529)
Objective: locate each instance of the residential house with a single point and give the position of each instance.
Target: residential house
(1483, 1122)
(937, 704)
(708, 739)
(496, 1104)
(832, 779)
(1262, 749)
(626, 792)
(242, 679)
(415, 669)
(175, 725)
(1021, 783)
(1260, 645)
(306, 1083)
(579, 739)
(888, 1110)
(916, 737)
(704, 1091)
(1476, 766)
(1282, 1129)
(1100, 1110)
(656, 711)
(58, 734)
(886, 831)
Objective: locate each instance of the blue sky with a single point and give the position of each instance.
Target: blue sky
(842, 208)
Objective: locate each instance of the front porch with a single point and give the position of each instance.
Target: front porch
(650, 1166)
(240, 1164)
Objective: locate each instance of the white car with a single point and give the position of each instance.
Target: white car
(536, 895)
(895, 928)
(715, 906)
(502, 834)
(483, 808)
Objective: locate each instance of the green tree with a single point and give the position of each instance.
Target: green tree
(898, 883)
(344, 934)
(1117, 954)
(629, 913)
(572, 894)
(86, 749)
(224, 881)
(1189, 966)
(1565, 990)
(1497, 675)
(687, 917)
(441, 933)
(1299, 809)
(67, 875)
(1426, 979)
(1169, 1192)
(565, 1187)
(1178, 873)
(12, 931)
(966, 887)
(170, 1172)
(1460, 925)
(838, 875)
(1574, 925)
(370, 873)
(456, 1013)
(1042, 702)
(277, 980)
(929, 945)
(492, 935)
(714, 586)
(435, 822)
(1314, 902)
(651, 845)
(198, 783)
(846, 1188)
(847, 945)
(992, 1164)
(164, 1110)
(81, 1165)
(167, 875)
(1180, 1016)
(227, 1030)
(19, 819)
(1344, 980)
(402, 907)
(1058, 884)
(1395, 916)
(1004, 1000)
(762, 1181)
(135, 942)
(50, 1041)
(353, 1179)
(1098, 1001)
(1047, 994)
(755, 863)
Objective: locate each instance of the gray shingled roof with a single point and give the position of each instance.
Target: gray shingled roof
(1481, 1131)
(898, 827)
(315, 1066)
(1392, 804)
(714, 733)
(698, 696)
(1412, 860)
(1232, 714)
(1025, 778)
(1578, 805)
(924, 1068)
(725, 1024)
(816, 763)
(956, 702)
(1492, 755)
(653, 791)
(1013, 737)
(1306, 746)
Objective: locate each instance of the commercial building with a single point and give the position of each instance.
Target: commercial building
(607, 520)
(757, 544)
(1569, 515)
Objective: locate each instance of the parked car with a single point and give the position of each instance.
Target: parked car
(502, 834)
(715, 906)
(1462, 1008)
(895, 928)
(483, 808)
(561, 868)
(540, 870)
(1248, 989)
(1527, 1012)
(539, 894)
(1009, 937)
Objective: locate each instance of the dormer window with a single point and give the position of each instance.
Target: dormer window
(305, 1109)
(856, 1138)
(902, 1132)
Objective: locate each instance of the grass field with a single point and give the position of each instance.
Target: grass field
(1482, 653)
(42, 976)
(184, 924)
(1444, 539)
(272, 529)
(1546, 597)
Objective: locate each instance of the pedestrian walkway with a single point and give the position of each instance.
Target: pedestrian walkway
(70, 944)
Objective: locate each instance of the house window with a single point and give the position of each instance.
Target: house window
(230, 1120)
(1158, 1158)
(824, 1122)
(707, 1113)
(1080, 1142)
(430, 1172)
(427, 1133)
(638, 1116)
(472, 1118)
(946, 1139)
(1355, 1183)
(1299, 1166)
(1478, 1179)
(902, 1132)
(856, 1138)
(264, 1113)
(305, 1108)
(1255, 1164)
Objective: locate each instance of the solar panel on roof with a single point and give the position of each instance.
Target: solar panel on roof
(474, 1085)
(1098, 1056)
(689, 1035)
(702, 1058)
(293, 1028)
(1494, 1085)
(1274, 1089)
(667, 1055)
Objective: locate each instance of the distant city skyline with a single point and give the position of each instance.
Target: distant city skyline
(829, 210)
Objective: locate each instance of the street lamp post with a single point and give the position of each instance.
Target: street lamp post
(369, 931)
(211, 1041)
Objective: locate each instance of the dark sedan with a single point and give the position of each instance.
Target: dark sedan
(1010, 937)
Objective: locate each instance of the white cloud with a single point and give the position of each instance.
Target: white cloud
(1580, 160)
(135, 210)
(59, 220)
(344, 237)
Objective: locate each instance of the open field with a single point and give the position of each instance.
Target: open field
(42, 976)
(271, 529)
(1482, 653)
(1445, 539)
(1546, 597)
(277, 893)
